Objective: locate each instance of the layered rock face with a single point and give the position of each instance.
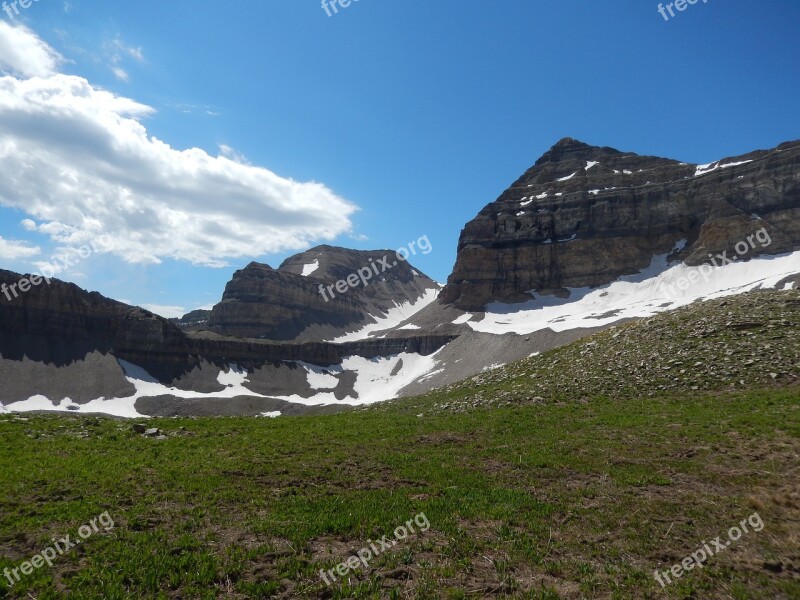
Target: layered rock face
(292, 302)
(57, 322)
(61, 341)
(583, 216)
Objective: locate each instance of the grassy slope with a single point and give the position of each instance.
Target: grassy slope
(532, 498)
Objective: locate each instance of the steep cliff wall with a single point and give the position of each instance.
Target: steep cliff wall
(584, 216)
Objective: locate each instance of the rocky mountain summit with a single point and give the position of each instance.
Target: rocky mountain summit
(296, 302)
(583, 216)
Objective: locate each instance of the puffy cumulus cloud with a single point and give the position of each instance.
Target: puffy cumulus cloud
(22, 53)
(80, 163)
(13, 250)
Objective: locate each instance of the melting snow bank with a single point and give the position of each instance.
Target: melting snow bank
(146, 385)
(376, 380)
(115, 407)
(392, 318)
(659, 288)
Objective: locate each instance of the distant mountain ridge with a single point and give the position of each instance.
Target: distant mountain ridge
(292, 302)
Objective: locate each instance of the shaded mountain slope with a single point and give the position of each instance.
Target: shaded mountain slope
(295, 302)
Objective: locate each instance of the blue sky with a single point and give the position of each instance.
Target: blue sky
(409, 116)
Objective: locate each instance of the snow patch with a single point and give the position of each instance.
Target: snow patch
(462, 319)
(146, 386)
(319, 378)
(310, 268)
(709, 167)
(568, 177)
(655, 289)
(235, 376)
(392, 318)
(374, 379)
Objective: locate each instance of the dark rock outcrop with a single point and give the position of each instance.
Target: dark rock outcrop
(584, 216)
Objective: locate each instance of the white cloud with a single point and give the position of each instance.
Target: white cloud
(13, 250)
(79, 160)
(22, 53)
(117, 50)
(121, 74)
(188, 109)
(123, 48)
(168, 312)
(230, 153)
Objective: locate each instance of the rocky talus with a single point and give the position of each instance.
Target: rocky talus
(749, 341)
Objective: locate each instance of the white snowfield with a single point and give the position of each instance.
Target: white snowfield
(145, 384)
(374, 383)
(392, 318)
(658, 288)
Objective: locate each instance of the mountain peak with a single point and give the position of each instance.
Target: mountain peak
(255, 265)
(569, 142)
(569, 148)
